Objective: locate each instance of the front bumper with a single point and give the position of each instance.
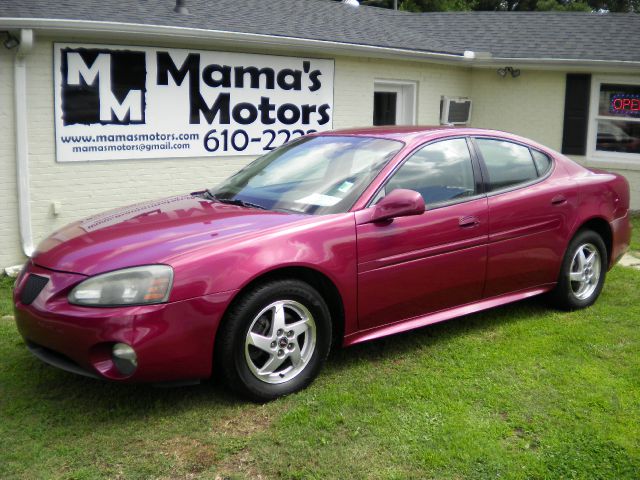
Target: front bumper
(173, 341)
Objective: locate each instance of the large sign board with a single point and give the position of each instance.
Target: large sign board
(116, 102)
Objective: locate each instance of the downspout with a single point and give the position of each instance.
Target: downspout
(22, 138)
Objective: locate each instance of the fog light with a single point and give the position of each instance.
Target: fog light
(124, 358)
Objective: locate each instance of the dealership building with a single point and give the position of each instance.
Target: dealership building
(108, 103)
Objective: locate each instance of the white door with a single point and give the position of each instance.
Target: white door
(394, 103)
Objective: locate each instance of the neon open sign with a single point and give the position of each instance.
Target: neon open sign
(625, 104)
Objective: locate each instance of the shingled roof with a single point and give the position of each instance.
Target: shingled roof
(505, 35)
(539, 35)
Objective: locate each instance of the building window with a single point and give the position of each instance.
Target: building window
(394, 103)
(614, 129)
(618, 118)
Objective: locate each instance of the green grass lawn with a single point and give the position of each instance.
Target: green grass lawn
(521, 391)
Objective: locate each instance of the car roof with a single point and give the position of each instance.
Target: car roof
(412, 135)
(409, 133)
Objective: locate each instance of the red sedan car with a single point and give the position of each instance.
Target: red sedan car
(338, 237)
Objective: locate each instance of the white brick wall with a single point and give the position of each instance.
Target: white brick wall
(354, 80)
(633, 176)
(84, 188)
(634, 183)
(531, 105)
(9, 236)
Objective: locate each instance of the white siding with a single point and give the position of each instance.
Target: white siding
(633, 176)
(355, 80)
(531, 105)
(85, 188)
(10, 252)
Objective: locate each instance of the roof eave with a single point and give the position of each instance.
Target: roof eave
(558, 63)
(114, 31)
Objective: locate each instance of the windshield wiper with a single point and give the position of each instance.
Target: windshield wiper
(241, 203)
(234, 201)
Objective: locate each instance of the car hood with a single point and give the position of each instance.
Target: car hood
(151, 232)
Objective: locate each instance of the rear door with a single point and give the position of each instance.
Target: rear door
(415, 265)
(530, 210)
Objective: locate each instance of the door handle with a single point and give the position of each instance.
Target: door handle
(558, 200)
(468, 222)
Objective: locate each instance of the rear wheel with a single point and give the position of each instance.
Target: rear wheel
(583, 272)
(274, 340)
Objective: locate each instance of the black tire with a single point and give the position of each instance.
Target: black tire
(567, 294)
(241, 364)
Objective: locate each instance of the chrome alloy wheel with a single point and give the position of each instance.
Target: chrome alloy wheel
(585, 271)
(280, 341)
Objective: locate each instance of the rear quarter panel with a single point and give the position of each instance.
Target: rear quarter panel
(605, 195)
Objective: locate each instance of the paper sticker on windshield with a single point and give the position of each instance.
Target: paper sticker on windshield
(319, 199)
(345, 187)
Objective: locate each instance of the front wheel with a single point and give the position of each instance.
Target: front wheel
(582, 273)
(274, 340)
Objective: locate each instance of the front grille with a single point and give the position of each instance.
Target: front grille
(32, 288)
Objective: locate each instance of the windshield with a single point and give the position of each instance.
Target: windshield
(315, 175)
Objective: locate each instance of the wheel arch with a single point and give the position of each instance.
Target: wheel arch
(318, 280)
(602, 227)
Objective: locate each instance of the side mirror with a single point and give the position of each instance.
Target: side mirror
(399, 203)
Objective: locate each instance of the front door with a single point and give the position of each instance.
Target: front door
(420, 264)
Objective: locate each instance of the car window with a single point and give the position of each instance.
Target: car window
(295, 172)
(352, 162)
(440, 172)
(313, 175)
(543, 162)
(507, 163)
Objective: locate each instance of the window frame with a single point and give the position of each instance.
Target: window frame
(485, 172)
(608, 158)
(475, 166)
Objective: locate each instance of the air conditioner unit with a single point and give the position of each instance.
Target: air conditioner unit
(455, 110)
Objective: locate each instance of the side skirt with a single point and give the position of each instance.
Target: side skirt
(442, 315)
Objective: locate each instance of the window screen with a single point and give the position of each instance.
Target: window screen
(440, 172)
(507, 163)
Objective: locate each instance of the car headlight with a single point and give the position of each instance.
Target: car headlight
(129, 286)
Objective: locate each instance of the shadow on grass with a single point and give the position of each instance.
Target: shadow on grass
(44, 391)
(41, 383)
(440, 332)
